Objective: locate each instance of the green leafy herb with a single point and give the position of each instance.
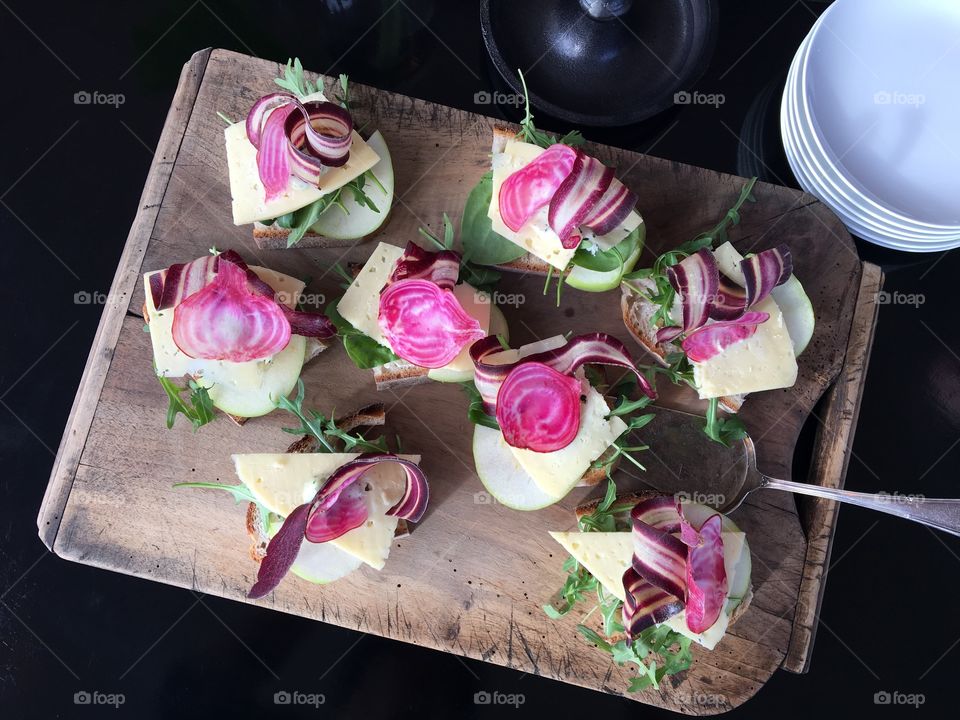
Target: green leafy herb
(363, 350)
(325, 429)
(294, 81)
(197, 407)
(240, 492)
(225, 118)
(344, 91)
(300, 221)
(476, 412)
(725, 430)
(579, 582)
(480, 243)
(529, 133)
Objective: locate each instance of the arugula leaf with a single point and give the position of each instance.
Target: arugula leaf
(480, 243)
(363, 350)
(345, 91)
(294, 81)
(240, 492)
(476, 413)
(724, 430)
(197, 408)
(325, 429)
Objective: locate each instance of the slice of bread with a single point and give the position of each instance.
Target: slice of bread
(632, 498)
(638, 312)
(273, 237)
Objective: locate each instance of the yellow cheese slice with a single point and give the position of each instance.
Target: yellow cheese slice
(607, 556)
(249, 201)
(764, 361)
(360, 303)
(557, 472)
(282, 481)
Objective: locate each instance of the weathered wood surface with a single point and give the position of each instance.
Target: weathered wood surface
(471, 578)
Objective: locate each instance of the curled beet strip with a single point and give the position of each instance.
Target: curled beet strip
(441, 268)
(706, 577)
(660, 558)
(730, 302)
(612, 209)
(711, 340)
(538, 408)
(646, 605)
(296, 138)
(576, 197)
(531, 187)
(281, 552)
(696, 280)
(765, 271)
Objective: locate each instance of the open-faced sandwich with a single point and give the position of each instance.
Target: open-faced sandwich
(543, 423)
(232, 332)
(411, 315)
(319, 511)
(549, 208)
(300, 171)
(726, 324)
(666, 573)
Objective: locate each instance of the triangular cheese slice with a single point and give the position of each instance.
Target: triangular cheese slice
(282, 481)
(607, 555)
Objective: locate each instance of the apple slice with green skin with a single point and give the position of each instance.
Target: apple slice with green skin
(251, 389)
(502, 475)
(797, 312)
(319, 563)
(359, 220)
(498, 326)
(596, 281)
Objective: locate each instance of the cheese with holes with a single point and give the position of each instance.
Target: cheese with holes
(607, 556)
(360, 304)
(536, 236)
(246, 389)
(249, 200)
(557, 472)
(282, 481)
(764, 361)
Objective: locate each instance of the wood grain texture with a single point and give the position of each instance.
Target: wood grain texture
(472, 576)
(837, 421)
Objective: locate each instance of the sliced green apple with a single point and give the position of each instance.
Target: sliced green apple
(251, 389)
(502, 475)
(797, 312)
(359, 221)
(596, 280)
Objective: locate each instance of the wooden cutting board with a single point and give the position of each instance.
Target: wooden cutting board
(472, 577)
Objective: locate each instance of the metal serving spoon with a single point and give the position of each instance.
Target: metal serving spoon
(942, 514)
(680, 460)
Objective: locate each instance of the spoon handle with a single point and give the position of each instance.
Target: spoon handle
(940, 514)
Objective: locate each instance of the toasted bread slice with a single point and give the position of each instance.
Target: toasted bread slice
(638, 314)
(399, 373)
(314, 348)
(588, 506)
(271, 237)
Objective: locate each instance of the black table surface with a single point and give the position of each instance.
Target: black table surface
(69, 188)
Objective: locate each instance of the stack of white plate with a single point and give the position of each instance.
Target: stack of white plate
(870, 119)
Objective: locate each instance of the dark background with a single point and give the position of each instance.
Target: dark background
(70, 183)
